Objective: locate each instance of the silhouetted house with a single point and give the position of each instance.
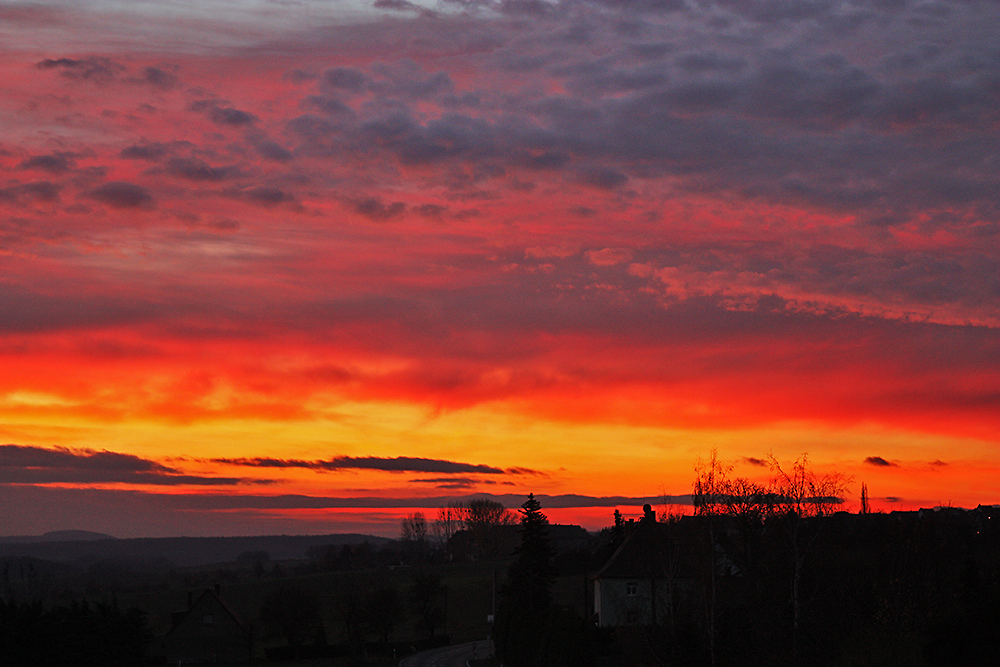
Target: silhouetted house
(568, 537)
(646, 577)
(208, 632)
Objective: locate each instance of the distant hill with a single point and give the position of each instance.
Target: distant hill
(182, 551)
(57, 536)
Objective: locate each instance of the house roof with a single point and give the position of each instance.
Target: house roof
(211, 596)
(647, 552)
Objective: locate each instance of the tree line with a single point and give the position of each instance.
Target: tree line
(478, 528)
(80, 634)
(364, 608)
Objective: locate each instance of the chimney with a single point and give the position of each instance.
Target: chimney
(190, 599)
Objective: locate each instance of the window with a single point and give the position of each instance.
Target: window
(630, 588)
(208, 619)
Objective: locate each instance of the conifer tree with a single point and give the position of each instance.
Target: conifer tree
(532, 574)
(523, 618)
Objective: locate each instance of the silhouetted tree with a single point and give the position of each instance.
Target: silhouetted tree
(523, 619)
(485, 519)
(710, 486)
(611, 538)
(413, 532)
(450, 519)
(532, 575)
(791, 496)
(709, 495)
(802, 493)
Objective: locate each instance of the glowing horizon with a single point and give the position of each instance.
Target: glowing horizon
(398, 251)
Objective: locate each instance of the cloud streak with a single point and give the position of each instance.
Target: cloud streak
(880, 462)
(385, 464)
(23, 464)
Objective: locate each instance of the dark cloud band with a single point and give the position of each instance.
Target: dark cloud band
(393, 464)
(21, 464)
(880, 462)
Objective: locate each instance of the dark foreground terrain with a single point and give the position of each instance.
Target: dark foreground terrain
(907, 588)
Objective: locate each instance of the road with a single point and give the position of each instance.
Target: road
(449, 656)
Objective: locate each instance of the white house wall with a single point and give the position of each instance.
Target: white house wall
(617, 606)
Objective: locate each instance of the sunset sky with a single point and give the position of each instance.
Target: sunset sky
(274, 266)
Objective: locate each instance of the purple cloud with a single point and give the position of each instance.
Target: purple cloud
(880, 462)
(22, 464)
(120, 194)
(388, 464)
(96, 69)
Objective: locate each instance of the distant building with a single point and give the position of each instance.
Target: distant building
(208, 632)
